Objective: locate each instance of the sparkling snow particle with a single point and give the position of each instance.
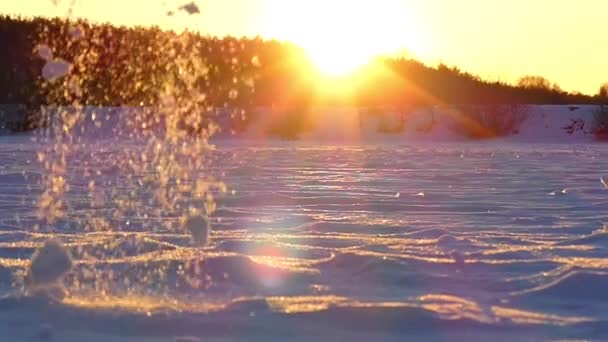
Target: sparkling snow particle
(55, 69)
(233, 94)
(255, 61)
(559, 192)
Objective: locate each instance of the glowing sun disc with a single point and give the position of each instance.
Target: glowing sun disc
(340, 36)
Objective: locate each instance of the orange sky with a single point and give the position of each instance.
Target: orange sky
(563, 40)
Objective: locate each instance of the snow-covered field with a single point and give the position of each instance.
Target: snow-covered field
(454, 241)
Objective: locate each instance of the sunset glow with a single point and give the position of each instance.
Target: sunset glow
(341, 36)
(558, 39)
(261, 170)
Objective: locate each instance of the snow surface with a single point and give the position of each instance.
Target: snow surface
(328, 241)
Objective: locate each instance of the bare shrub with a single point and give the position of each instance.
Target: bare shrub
(488, 121)
(292, 123)
(386, 122)
(21, 118)
(600, 115)
(600, 122)
(533, 81)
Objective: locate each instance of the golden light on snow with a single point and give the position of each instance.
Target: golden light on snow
(139, 304)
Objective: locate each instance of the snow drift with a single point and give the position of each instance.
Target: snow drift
(531, 123)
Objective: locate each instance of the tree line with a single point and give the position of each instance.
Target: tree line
(115, 65)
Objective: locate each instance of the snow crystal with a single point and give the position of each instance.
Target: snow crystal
(49, 263)
(191, 8)
(199, 229)
(255, 61)
(559, 192)
(44, 51)
(55, 69)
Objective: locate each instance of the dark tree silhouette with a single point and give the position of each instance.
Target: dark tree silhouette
(603, 92)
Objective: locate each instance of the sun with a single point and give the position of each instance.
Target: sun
(336, 62)
(340, 36)
(339, 53)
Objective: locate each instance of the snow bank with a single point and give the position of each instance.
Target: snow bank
(546, 123)
(534, 123)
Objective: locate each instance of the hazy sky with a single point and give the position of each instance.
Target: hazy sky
(563, 40)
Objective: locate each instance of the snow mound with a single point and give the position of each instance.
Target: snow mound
(49, 263)
(199, 229)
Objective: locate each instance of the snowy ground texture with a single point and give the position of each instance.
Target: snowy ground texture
(428, 241)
